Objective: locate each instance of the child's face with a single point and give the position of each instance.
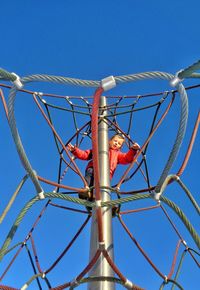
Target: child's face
(116, 143)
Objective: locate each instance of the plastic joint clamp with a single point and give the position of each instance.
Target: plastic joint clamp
(17, 82)
(108, 83)
(176, 80)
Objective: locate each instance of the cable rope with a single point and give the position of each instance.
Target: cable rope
(179, 268)
(174, 207)
(171, 281)
(33, 266)
(7, 208)
(50, 120)
(156, 94)
(146, 142)
(60, 140)
(90, 130)
(187, 156)
(106, 278)
(145, 149)
(188, 72)
(67, 110)
(69, 245)
(140, 248)
(73, 114)
(61, 79)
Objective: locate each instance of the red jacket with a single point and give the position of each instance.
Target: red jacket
(115, 157)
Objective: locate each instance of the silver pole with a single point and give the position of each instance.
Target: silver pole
(102, 268)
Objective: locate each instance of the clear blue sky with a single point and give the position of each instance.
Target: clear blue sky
(93, 39)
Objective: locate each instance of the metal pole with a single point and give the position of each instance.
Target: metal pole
(102, 268)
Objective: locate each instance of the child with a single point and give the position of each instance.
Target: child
(115, 157)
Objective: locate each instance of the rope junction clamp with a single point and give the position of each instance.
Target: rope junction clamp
(108, 83)
(128, 284)
(41, 195)
(24, 287)
(98, 203)
(17, 82)
(74, 282)
(184, 243)
(177, 178)
(102, 246)
(176, 80)
(156, 195)
(68, 99)
(40, 94)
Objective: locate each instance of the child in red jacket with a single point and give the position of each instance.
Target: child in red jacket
(115, 156)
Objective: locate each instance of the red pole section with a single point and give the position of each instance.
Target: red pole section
(95, 154)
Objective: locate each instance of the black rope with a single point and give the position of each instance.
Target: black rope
(74, 117)
(50, 120)
(33, 266)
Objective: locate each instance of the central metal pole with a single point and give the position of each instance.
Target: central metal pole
(102, 268)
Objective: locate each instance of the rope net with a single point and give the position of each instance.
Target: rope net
(54, 222)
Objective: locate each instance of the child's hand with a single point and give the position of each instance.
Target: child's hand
(135, 146)
(70, 147)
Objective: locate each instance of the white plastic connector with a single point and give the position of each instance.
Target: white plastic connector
(74, 282)
(68, 99)
(128, 284)
(177, 178)
(176, 80)
(27, 237)
(108, 83)
(41, 195)
(43, 275)
(102, 246)
(156, 196)
(24, 287)
(166, 279)
(184, 243)
(101, 116)
(98, 203)
(17, 82)
(40, 94)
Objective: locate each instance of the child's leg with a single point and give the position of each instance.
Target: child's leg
(89, 177)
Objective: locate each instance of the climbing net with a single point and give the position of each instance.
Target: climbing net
(58, 179)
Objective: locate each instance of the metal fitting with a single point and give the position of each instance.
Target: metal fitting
(102, 246)
(156, 196)
(17, 82)
(24, 287)
(128, 284)
(41, 195)
(108, 83)
(176, 80)
(74, 282)
(98, 203)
